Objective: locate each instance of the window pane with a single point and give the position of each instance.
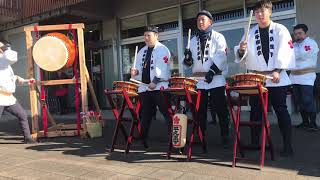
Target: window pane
(288, 23)
(128, 58)
(172, 45)
(233, 38)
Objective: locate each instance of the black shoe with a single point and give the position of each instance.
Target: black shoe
(313, 127)
(29, 141)
(302, 125)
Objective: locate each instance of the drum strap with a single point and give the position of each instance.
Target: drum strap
(43, 93)
(75, 72)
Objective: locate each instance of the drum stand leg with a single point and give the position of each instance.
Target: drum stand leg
(118, 121)
(171, 113)
(265, 127)
(135, 123)
(195, 122)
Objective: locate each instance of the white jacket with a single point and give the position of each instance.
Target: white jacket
(7, 77)
(306, 54)
(217, 53)
(281, 54)
(159, 66)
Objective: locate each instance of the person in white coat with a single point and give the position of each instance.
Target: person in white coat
(8, 103)
(303, 76)
(207, 57)
(269, 51)
(152, 68)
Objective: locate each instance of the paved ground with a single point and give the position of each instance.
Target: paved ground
(76, 158)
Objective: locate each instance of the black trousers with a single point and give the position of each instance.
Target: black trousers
(218, 101)
(18, 111)
(150, 100)
(277, 97)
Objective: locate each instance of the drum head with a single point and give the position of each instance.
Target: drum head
(50, 53)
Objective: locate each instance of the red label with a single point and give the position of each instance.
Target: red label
(307, 48)
(165, 59)
(176, 120)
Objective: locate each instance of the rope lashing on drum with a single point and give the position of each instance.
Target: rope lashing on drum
(75, 73)
(43, 93)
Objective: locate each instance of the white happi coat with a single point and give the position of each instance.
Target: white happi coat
(306, 54)
(216, 47)
(7, 77)
(281, 53)
(159, 66)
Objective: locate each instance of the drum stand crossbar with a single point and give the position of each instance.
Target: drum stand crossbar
(265, 125)
(35, 96)
(134, 120)
(194, 107)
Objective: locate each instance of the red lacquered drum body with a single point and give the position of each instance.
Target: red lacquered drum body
(130, 88)
(183, 83)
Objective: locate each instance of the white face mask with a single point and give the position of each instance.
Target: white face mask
(10, 55)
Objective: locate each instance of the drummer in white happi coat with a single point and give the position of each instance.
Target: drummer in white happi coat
(152, 68)
(8, 103)
(269, 51)
(208, 58)
(303, 76)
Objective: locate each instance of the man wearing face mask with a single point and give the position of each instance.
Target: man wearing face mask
(303, 76)
(208, 58)
(152, 68)
(8, 102)
(269, 51)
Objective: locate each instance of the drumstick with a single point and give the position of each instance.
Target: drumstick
(269, 77)
(138, 82)
(248, 29)
(189, 37)
(135, 58)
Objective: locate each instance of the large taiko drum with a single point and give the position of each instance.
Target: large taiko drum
(129, 87)
(182, 83)
(54, 51)
(247, 81)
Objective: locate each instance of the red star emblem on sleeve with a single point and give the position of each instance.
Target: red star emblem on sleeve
(176, 120)
(290, 44)
(307, 48)
(165, 59)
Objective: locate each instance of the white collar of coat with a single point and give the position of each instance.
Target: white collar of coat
(206, 48)
(258, 46)
(152, 58)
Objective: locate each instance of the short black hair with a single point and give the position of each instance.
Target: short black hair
(301, 26)
(263, 4)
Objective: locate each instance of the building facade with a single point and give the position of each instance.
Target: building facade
(115, 28)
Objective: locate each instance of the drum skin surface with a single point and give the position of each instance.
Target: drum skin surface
(53, 52)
